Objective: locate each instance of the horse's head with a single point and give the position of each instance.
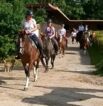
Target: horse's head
(22, 34)
(44, 37)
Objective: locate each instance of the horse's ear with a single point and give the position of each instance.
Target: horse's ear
(42, 34)
(21, 32)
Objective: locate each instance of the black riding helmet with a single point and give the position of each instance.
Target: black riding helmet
(29, 13)
(49, 21)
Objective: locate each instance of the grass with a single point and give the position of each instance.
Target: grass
(96, 53)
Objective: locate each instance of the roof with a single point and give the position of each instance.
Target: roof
(56, 10)
(86, 20)
(51, 8)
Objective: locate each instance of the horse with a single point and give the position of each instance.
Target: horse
(62, 45)
(48, 50)
(84, 42)
(30, 56)
(92, 38)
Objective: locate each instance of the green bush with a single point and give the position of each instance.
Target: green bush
(11, 14)
(96, 53)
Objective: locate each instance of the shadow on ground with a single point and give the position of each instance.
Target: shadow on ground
(84, 58)
(61, 96)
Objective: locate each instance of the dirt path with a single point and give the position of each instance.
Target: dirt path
(69, 84)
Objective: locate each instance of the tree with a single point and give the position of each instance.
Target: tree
(11, 14)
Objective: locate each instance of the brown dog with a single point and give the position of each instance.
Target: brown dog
(8, 65)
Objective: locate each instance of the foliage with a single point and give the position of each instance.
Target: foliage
(40, 15)
(96, 53)
(10, 18)
(13, 11)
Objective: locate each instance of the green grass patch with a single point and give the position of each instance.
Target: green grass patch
(96, 53)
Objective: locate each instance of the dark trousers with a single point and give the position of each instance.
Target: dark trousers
(79, 35)
(55, 44)
(37, 42)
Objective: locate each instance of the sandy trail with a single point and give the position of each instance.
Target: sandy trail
(70, 83)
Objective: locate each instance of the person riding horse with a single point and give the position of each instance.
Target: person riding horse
(62, 32)
(62, 41)
(50, 32)
(73, 34)
(30, 27)
(81, 29)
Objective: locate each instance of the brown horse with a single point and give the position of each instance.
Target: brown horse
(62, 45)
(30, 56)
(85, 42)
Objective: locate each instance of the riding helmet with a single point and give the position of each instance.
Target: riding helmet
(49, 21)
(29, 12)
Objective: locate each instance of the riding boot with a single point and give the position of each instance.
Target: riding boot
(18, 56)
(55, 44)
(42, 53)
(39, 46)
(17, 52)
(56, 49)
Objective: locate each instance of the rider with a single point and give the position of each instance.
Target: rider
(62, 31)
(30, 27)
(50, 32)
(81, 29)
(86, 28)
(73, 34)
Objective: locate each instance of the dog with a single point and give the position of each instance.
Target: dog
(8, 65)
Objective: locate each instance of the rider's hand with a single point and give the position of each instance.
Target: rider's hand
(27, 32)
(50, 37)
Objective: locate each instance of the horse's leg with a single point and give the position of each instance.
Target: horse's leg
(63, 51)
(35, 71)
(60, 51)
(43, 63)
(26, 68)
(52, 61)
(85, 48)
(47, 60)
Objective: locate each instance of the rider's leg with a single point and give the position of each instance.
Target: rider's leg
(55, 44)
(38, 44)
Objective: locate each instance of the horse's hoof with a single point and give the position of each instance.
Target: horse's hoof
(25, 89)
(52, 67)
(46, 70)
(35, 79)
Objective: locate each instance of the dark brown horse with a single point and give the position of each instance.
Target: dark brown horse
(30, 56)
(48, 50)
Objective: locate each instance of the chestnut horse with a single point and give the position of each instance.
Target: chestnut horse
(84, 42)
(29, 56)
(62, 45)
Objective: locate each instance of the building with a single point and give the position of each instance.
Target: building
(59, 17)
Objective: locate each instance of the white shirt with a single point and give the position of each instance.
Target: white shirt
(29, 26)
(62, 32)
(81, 28)
(86, 28)
(74, 33)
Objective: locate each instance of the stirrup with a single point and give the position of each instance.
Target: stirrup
(17, 57)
